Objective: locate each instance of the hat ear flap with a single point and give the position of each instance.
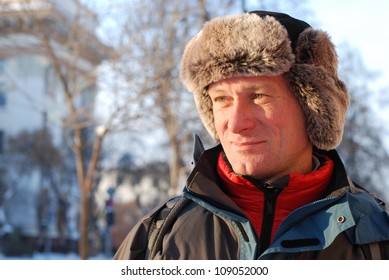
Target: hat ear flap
(314, 80)
(315, 47)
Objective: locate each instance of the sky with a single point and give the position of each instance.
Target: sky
(362, 24)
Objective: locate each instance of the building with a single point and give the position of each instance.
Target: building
(39, 39)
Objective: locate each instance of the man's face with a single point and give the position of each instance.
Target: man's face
(261, 126)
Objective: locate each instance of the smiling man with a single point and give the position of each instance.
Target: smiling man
(261, 126)
(267, 90)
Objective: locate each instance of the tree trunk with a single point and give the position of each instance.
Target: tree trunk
(175, 165)
(86, 196)
(84, 224)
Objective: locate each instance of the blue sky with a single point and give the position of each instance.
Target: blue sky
(362, 24)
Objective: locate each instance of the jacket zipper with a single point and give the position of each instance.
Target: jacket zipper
(271, 192)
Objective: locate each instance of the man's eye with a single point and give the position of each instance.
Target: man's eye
(220, 99)
(258, 95)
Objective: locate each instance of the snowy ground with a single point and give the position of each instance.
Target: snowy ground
(53, 256)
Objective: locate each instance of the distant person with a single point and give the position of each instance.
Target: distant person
(266, 87)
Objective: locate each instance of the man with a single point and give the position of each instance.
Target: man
(266, 87)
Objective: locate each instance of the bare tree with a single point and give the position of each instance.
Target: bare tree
(151, 44)
(74, 53)
(363, 148)
(153, 40)
(34, 151)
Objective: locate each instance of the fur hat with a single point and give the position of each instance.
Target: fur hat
(266, 43)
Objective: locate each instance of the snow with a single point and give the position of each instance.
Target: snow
(54, 256)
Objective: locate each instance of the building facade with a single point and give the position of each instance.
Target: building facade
(38, 40)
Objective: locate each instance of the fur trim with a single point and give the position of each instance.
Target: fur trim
(234, 46)
(252, 45)
(324, 100)
(323, 97)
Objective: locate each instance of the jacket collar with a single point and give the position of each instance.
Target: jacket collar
(207, 163)
(339, 179)
(204, 181)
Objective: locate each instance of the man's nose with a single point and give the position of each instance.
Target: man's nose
(240, 118)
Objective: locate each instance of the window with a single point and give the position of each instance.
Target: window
(2, 66)
(1, 141)
(3, 99)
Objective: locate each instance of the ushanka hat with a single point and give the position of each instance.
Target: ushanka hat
(265, 44)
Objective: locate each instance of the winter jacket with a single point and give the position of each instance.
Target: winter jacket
(204, 223)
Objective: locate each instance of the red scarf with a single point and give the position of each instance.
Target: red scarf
(302, 189)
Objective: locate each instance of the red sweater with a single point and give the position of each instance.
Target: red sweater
(301, 189)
